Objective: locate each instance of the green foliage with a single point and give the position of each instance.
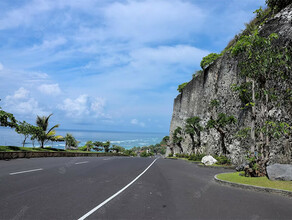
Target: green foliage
(276, 129)
(222, 160)
(130, 153)
(165, 140)
(214, 103)
(222, 121)
(177, 136)
(196, 157)
(70, 141)
(244, 92)
(83, 148)
(278, 4)
(145, 154)
(90, 145)
(170, 155)
(118, 149)
(243, 133)
(44, 135)
(207, 60)
(181, 87)
(26, 130)
(182, 155)
(193, 125)
(7, 119)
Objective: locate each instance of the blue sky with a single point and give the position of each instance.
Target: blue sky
(108, 65)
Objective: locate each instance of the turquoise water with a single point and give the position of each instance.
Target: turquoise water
(128, 140)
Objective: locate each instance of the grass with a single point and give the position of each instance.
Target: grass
(255, 181)
(29, 149)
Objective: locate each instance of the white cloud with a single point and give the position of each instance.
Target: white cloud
(50, 44)
(136, 122)
(22, 103)
(50, 89)
(152, 20)
(179, 54)
(83, 106)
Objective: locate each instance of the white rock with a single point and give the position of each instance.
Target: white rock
(208, 160)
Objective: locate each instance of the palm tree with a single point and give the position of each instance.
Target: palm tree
(70, 142)
(44, 136)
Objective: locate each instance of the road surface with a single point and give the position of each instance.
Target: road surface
(126, 188)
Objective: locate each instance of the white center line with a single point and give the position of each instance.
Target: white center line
(26, 171)
(81, 162)
(116, 194)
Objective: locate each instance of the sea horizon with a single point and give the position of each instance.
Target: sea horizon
(126, 139)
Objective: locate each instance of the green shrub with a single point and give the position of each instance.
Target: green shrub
(182, 155)
(145, 154)
(170, 155)
(196, 157)
(222, 160)
(278, 4)
(181, 87)
(207, 60)
(83, 148)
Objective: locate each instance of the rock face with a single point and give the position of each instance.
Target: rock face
(280, 172)
(215, 83)
(208, 160)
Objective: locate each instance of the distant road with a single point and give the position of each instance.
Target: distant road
(126, 188)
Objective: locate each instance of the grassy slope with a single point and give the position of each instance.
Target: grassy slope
(256, 181)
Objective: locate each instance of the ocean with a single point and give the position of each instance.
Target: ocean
(9, 137)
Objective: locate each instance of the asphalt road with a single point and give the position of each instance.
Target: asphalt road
(69, 188)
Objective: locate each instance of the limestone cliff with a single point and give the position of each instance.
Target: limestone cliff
(214, 83)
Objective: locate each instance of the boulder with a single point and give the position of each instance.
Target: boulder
(280, 172)
(208, 160)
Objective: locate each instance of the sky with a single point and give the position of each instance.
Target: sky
(108, 65)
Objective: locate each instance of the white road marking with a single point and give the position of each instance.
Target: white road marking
(116, 194)
(81, 162)
(26, 171)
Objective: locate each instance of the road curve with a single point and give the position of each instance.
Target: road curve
(68, 188)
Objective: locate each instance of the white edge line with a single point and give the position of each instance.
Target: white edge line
(26, 171)
(81, 162)
(116, 194)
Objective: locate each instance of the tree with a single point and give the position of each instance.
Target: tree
(98, 146)
(193, 128)
(267, 66)
(106, 146)
(7, 119)
(221, 123)
(89, 145)
(118, 149)
(178, 138)
(70, 142)
(45, 135)
(26, 130)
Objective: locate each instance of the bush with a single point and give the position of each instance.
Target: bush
(196, 157)
(170, 155)
(207, 60)
(181, 87)
(145, 154)
(83, 148)
(222, 160)
(278, 4)
(182, 155)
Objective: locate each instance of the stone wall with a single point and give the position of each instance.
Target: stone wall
(32, 154)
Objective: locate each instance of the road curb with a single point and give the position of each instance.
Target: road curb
(254, 188)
